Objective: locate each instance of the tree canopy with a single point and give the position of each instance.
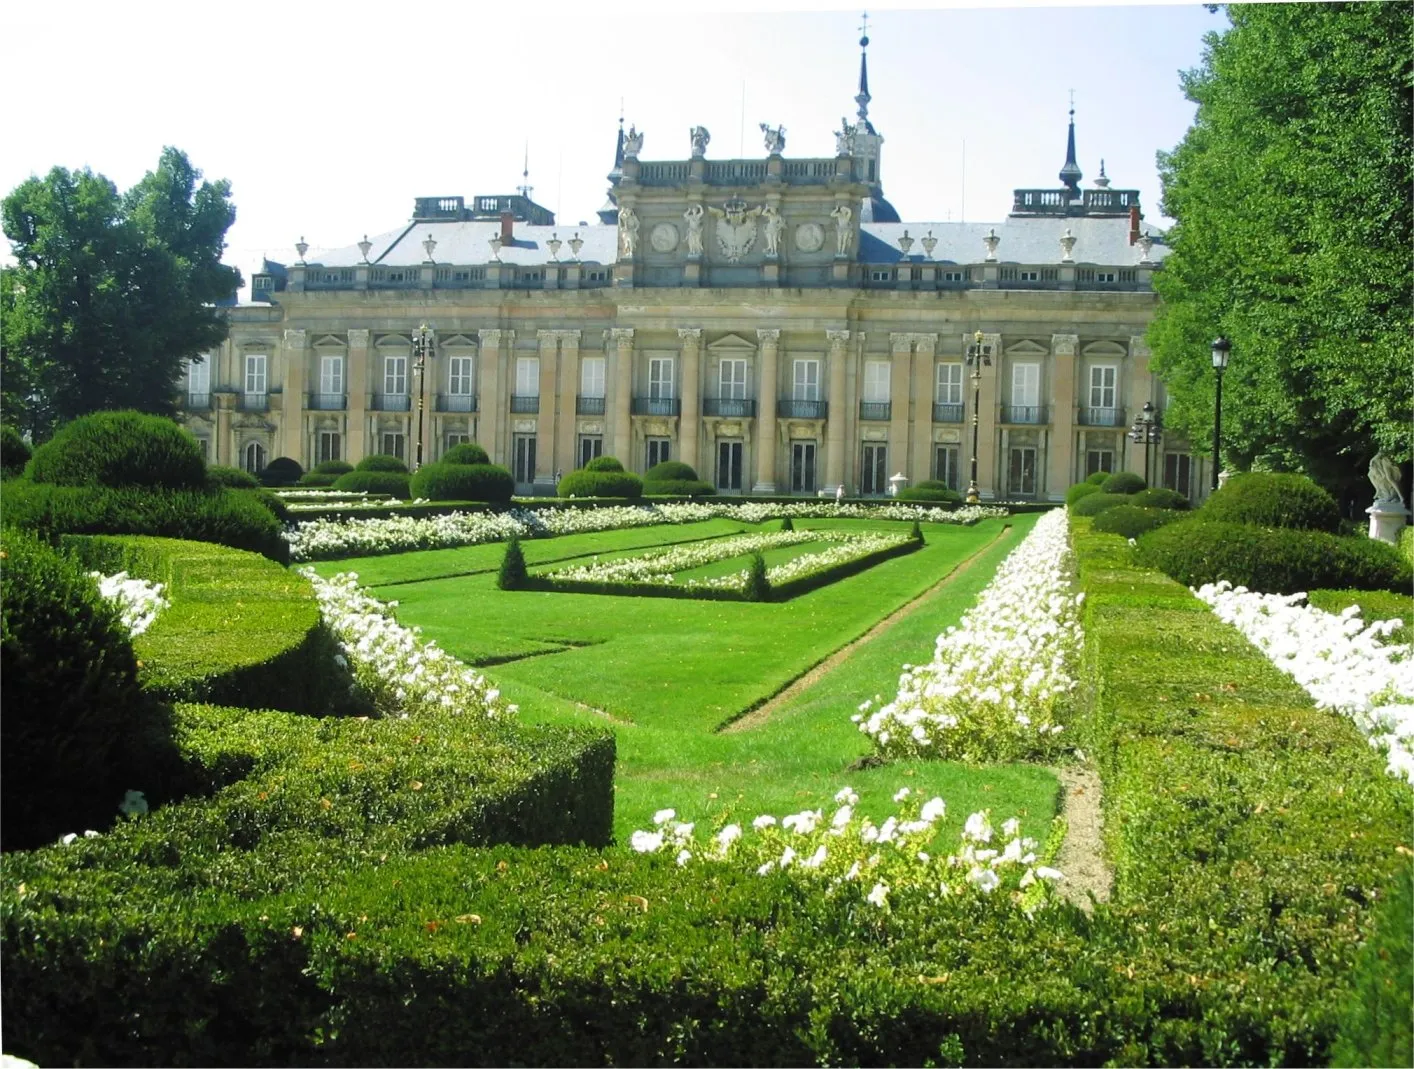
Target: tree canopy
(1293, 237)
(110, 293)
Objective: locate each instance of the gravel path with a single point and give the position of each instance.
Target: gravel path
(1082, 856)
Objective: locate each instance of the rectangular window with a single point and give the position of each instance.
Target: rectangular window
(733, 380)
(729, 453)
(1097, 460)
(523, 458)
(949, 390)
(591, 376)
(881, 276)
(199, 375)
(393, 444)
(876, 381)
(255, 373)
(1102, 386)
(660, 378)
(528, 376)
(874, 471)
(1178, 473)
(205, 444)
(590, 446)
(331, 376)
(1021, 471)
(806, 381)
(395, 375)
(658, 450)
(451, 440)
(802, 467)
(1026, 385)
(954, 276)
(459, 376)
(329, 445)
(947, 466)
(1028, 276)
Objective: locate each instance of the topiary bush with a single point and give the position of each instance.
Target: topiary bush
(758, 587)
(79, 732)
(602, 482)
(1122, 482)
(332, 467)
(1079, 490)
(14, 450)
(466, 453)
(376, 482)
(1094, 504)
(1159, 497)
(1377, 1027)
(282, 471)
(382, 462)
(219, 475)
(1272, 560)
(1132, 521)
(512, 575)
(273, 502)
(930, 490)
(677, 488)
(787, 524)
(1097, 478)
(117, 449)
(670, 471)
(1406, 543)
(445, 481)
(318, 479)
(604, 464)
(1271, 499)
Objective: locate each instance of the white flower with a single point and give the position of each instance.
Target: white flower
(728, 835)
(842, 816)
(853, 873)
(1049, 873)
(978, 828)
(847, 796)
(1011, 827)
(901, 794)
(646, 842)
(934, 809)
(879, 895)
(787, 856)
(765, 820)
(985, 879)
(815, 860)
(684, 856)
(68, 839)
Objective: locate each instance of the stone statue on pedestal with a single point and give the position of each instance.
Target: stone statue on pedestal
(1384, 474)
(693, 218)
(628, 232)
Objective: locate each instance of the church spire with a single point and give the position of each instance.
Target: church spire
(619, 148)
(863, 98)
(1070, 174)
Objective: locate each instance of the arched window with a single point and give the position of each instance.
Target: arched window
(253, 457)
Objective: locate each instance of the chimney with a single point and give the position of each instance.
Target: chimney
(1133, 223)
(507, 238)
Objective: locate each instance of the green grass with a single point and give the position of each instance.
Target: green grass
(1374, 605)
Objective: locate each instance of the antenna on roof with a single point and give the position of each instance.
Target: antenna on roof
(525, 187)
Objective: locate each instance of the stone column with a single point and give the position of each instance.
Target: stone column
(222, 448)
(567, 393)
(989, 478)
(839, 412)
(427, 398)
(622, 338)
(924, 355)
(1060, 460)
(545, 421)
(291, 440)
(900, 386)
(356, 436)
(766, 413)
(691, 420)
(490, 396)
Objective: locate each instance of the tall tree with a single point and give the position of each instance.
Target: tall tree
(1291, 193)
(110, 293)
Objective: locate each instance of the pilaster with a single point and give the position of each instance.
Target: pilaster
(766, 447)
(839, 412)
(900, 386)
(549, 397)
(988, 445)
(291, 437)
(225, 404)
(356, 430)
(622, 338)
(691, 419)
(567, 393)
(925, 348)
(491, 400)
(1060, 468)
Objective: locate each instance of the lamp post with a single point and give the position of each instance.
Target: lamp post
(1221, 348)
(978, 355)
(1147, 428)
(421, 347)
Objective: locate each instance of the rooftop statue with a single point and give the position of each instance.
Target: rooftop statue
(700, 137)
(633, 143)
(775, 138)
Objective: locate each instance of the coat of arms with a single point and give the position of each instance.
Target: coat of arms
(736, 228)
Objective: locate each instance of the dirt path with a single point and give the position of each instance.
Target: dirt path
(754, 718)
(1082, 854)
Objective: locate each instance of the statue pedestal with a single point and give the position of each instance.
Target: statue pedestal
(1387, 519)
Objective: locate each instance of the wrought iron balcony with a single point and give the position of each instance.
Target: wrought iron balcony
(254, 402)
(589, 406)
(732, 407)
(1030, 414)
(525, 403)
(456, 402)
(391, 402)
(875, 410)
(326, 402)
(802, 409)
(656, 406)
(198, 402)
(947, 412)
(1101, 417)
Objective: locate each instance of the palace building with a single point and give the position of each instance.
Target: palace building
(771, 321)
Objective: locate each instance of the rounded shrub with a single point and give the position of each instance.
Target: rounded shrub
(1270, 499)
(1094, 504)
(79, 731)
(930, 491)
(1097, 478)
(319, 479)
(603, 483)
(1272, 560)
(677, 488)
(375, 482)
(219, 475)
(445, 481)
(14, 450)
(332, 467)
(1132, 521)
(120, 449)
(382, 462)
(273, 502)
(282, 471)
(1123, 482)
(1159, 497)
(670, 471)
(1079, 490)
(466, 453)
(604, 464)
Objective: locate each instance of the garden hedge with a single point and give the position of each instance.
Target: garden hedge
(466, 453)
(332, 467)
(601, 482)
(376, 481)
(282, 471)
(1273, 500)
(382, 462)
(677, 488)
(670, 471)
(1159, 497)
(1132, 521)
(1123, 482)
(120, 449)
(1079, 490)
(318, 479)
(1094, 504)
(220, 476)
(1097, 478)
(448, 481)
(604, 463)
(14, 450)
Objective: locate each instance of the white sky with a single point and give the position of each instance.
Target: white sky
(329, 119)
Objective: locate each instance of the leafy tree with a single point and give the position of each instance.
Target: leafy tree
(110, 293)
(1291, 195)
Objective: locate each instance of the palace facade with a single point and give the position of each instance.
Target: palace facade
(771, 321)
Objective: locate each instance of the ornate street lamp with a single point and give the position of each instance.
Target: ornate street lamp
(978, 355)
(421, 348)
(1221, 348)
(1148, 428)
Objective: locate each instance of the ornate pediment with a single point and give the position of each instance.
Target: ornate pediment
(458, 341)
(1027, 347)
(393, 341)
(733, 343)
(1104, 348)
(329, 341)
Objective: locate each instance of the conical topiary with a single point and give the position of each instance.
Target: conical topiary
(758, 587)
(787, 525)
(512, 575)
(916, 533)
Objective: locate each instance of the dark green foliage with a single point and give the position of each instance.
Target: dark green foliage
(119, 449)
(315, 480)
(218, 475)
(78, 730)
(930, 495)
(466, 453)
(1270, 559)
(916, 532)
(376, 482)
(1122, 482)
(1094, 504)
(1079, 490)
(677, 488)
(601, 482)
(1374, 605)
(604, 463)
(228, 517)
(274, 503)
(1098, 478)
(512, 575)
(1273, 500)
(382, 462)
(1132, 521)
(1159, 497)
(282, 471)
(332, 467)
(14, 451)
(758, 587)
(1378, 1029)
(1406, 543)
(670, 471)
(463, 481)
(787, 524)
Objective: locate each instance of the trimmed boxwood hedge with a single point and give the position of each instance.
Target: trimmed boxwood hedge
(601, 482)
(223, 475)
(466, 453)
(1159, 497)
(932, 491)
(604, 463)
(1123, 482)
(677, 488)
(1132, 521)
(1079, 490)
(376, 481)
(332, 467)
(282, 471)
(670, 471)
(14, 450)
(120, 449)
(446, 481)
(1094, 504)
(1273, 500)
(382, 462)
(1097, 478)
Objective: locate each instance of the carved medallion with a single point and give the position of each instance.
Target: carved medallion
(664, 237)
(809, 237)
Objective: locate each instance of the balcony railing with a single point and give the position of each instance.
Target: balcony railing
(875, 410)
(801, 409)
(947, 412)
(456, 402)
(589, 406)
(525, 403)
(731, 407)
(1101, 417)
(326, 402)
(391, 402)
(656, 406)
(198, 402)
(1023, 413)
(254, 402)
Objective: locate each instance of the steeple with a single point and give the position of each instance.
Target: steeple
(619, 148)
(525, 187)
(1070, 174)
(863, 98)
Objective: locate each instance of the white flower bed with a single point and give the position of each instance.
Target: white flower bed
(402, 674)
(138, 601)
(658, 567)
(1339, 660)
(999, 679)
(847, 853)
(851, 547)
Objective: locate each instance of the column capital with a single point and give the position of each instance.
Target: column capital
(900, 342)
(1138, 347)
(837, 338)
(569, 337)
(295, 339)
(690, 333)
(551, 336)
(622, 336)
(1065, 344)
(768, 335)
(493, 338)
(927, 343)
(358, 339)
